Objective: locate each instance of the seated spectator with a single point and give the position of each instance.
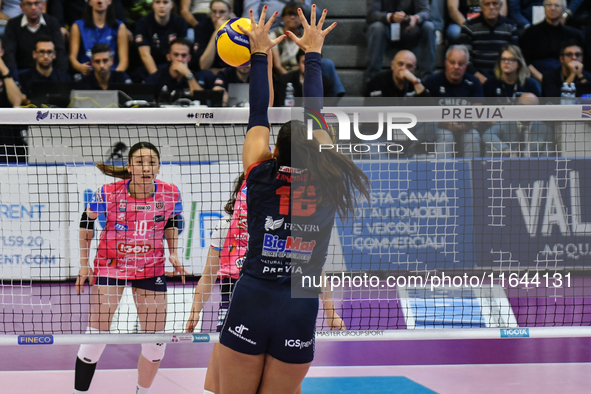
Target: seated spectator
(570, 70)
(103, 75)
(8, 9)
(541, 42)
(399, 81)
(511, 77)
(196, 11)
(69, 11)
(456, 87)
(416, 32)
(10, 94)
(99, 25)
(461, 11)
(284, 54)
(485, 35)
(230, 75)
(296, 78)
(12, 144)
(22, 32)
(588, 46)
(521, 11)
(44, 56)
(275, 6)
(206, 54)
(175, 76)
(506, 138)
(155, 32)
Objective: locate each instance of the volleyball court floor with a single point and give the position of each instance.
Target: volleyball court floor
(511, 365)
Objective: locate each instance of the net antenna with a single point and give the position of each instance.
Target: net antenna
(448, 247)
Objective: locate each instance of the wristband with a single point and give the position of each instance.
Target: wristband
(190, 77)
(9, 75)
(416, 82)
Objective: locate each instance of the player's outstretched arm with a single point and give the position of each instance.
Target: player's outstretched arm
(313, 38)
(332, 317)
(256, 143)
(204, 287)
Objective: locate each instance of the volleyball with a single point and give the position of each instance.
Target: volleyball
(233, 46)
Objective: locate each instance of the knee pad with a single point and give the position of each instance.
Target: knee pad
(153, 352)
(91, 353)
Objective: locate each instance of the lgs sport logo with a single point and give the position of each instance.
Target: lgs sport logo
(394, 121)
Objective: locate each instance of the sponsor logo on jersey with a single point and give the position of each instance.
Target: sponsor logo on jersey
(134, 248)
(291, 247)
(299, 343)
(282, 270)
(159, 281)
(291, 170)
(111, 262)
(240, 262)
(121, 227)
(271, 224)
(242, 221)
(312, 228)
(122, 206)
(244, 190)
(159, 204)
(141, 207)
(159, 218)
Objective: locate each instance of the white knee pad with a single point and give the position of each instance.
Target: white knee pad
(153, 352)
(91, 353)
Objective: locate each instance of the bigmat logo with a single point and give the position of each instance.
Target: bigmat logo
(292, 247)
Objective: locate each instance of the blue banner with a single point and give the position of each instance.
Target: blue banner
(419, 217)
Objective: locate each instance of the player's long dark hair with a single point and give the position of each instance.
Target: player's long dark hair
(110, 19)
(336, 175)
(121, 171)
(229, 208)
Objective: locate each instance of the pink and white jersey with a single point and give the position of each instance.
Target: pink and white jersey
(132, 243)
(232, 256)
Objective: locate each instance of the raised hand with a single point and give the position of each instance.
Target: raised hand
(259, 35)
(313, 38)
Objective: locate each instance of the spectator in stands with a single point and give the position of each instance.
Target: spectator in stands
(511, 76)
(296, 78)
(155, 32)
(12, 145)
(22, 32)
(521, 11)
(275, 6)
(541, 42)
(588, 46)
(485, 35)
(410, 18)
(505, 138)
(10, 95)
(177, 76)
(69, 11)
(44, 56)
(570, 70)
(284, 54)
(230, 75)
(8, 9)
(461, 11)
(103, 75)
(455, 87)
(196, 11)
(206, 56)
(99, 25)
(399, 81)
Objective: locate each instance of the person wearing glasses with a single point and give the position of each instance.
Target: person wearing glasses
(22, 32)
(511, 76)
(570, 70)
(485, 35)
(44, 56)
(541, 42)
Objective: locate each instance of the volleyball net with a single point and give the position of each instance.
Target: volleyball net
(454, 242)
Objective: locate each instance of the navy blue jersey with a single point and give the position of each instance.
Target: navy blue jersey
(289, 230)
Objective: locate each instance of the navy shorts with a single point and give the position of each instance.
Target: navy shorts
(226, 288)
(157, 283)
(264, 318)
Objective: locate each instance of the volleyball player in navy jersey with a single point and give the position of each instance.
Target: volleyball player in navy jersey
(267, 341)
